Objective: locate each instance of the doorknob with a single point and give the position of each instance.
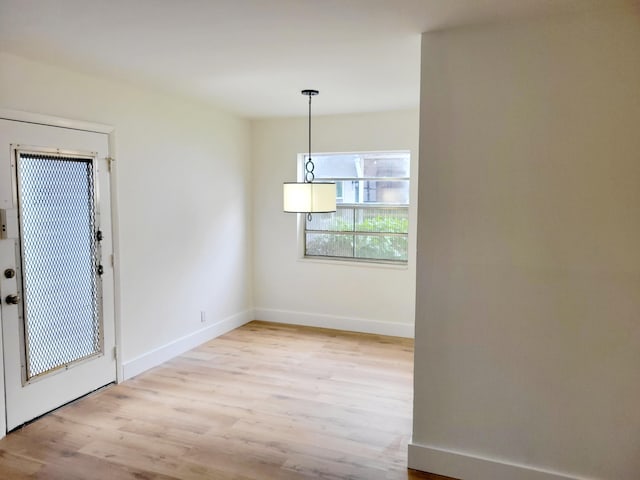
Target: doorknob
(12, 299)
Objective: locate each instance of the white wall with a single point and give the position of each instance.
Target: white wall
(184, 197)
(528, 286)
(344, 295)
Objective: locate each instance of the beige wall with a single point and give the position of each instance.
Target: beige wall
(184, 197)
(350, 296)
(528, 285)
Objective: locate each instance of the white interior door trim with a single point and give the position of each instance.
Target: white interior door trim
(54, 121)
(50, 120)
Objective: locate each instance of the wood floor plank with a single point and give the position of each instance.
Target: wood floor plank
(17, 467)
(263, 402)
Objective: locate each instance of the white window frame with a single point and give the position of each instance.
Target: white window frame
(402, 264)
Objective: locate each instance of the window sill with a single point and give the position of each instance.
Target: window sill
(354, 263)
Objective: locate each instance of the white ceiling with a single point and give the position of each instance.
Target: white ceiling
(253, 57)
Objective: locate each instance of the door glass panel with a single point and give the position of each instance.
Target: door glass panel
(61, 306)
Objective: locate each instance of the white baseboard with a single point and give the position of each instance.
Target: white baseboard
(469, 467)
(332, 321)
(160, 355)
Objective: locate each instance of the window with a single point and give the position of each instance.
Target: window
(371, 221)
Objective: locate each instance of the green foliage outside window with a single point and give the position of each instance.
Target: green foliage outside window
(352, 241)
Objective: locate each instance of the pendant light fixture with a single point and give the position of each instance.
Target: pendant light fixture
(309, 196)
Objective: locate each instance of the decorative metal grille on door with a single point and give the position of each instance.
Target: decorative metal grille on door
(61, 311)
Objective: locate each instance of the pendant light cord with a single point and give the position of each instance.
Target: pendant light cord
(309, 166)
(309, 127)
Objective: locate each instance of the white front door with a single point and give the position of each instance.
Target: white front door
(56, 276)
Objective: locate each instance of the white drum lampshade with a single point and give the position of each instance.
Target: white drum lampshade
(315, 197)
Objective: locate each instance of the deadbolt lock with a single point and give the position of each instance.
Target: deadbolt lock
(9, 273)
(12, 299)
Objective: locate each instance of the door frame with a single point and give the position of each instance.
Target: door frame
(109, 130)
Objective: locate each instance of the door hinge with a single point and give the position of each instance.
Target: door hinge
(110, 160)
(115, 352)
(111, 260)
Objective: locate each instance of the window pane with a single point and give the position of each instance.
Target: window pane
(390, 192)
(340, 221)
(381, 247)
(392, 220)
(336, 166)
(329, 244)
(365, 165)
(395, 192)
(386, 165)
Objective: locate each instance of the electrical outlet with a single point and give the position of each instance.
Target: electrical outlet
(203, 316)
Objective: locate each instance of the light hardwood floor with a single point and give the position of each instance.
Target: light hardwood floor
(263, 402)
